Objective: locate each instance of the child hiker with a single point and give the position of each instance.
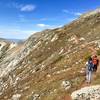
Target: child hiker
(89, 70)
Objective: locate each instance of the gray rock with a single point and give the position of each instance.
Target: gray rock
(87, 93)
(16, 97)
(66, 84)
(35, 97)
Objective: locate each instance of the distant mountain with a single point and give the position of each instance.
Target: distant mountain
(50, 64)
(16, 40)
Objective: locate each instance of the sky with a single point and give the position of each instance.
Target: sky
(21, 18)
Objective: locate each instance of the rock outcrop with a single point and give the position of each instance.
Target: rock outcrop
(87, 93)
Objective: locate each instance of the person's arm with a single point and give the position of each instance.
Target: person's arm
(86, 63)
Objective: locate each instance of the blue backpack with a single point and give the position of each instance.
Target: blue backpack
(90, 66)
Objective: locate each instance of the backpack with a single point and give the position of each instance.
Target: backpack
(90, 66)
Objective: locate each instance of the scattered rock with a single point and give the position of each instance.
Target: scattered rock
(12, 45)
(76, 63)
(61, 51)
(82, 39)
(35, 97)
(16, 97)
(48, 75)
(66, 85)
(54, 38)
(83, 70)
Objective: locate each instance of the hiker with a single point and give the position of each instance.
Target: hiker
(89, 70)
(95, 61)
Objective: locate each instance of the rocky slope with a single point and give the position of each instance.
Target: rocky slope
(5, 46)
(50, 64)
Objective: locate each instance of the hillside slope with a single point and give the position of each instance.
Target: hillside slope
(51, 63)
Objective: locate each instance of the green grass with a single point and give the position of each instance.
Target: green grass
(87, 56)
(98, 52)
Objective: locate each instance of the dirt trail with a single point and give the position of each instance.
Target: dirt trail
(94, 75)
(67, 97)
(84, 84)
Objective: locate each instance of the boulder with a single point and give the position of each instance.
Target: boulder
(66, 85)
(87, 93)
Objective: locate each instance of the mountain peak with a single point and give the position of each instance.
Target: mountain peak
(91, 13)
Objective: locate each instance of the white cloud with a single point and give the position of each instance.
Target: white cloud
(40, 19)
(65, 11)
(72, 12)
(23, 18)
(28, 7)
(15, 5)
(16, 33)
(19, 31)
(23, 7)
(56, 26)
(43, 25)
(78, 13)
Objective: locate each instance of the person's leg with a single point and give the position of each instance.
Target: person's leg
(90, 76)
(87, 73)
(87, 76)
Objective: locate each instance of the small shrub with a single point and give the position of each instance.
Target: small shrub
(98, 52)
(87, 56)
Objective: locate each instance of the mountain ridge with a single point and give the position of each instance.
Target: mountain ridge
(50, 64)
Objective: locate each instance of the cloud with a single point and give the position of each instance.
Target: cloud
(28, 8)
(72, 12)
(23, 7)
(43, 19)
(39, 19)
(65, 11)
(56, 26)
(14, 5)
(17, 33)
(23, 19)
(77, 13)
(42, 25)
(45, 26)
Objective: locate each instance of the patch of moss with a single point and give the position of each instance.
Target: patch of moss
(87, 56)
(98, 52)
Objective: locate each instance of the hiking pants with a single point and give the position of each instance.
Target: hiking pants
(89, 76)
